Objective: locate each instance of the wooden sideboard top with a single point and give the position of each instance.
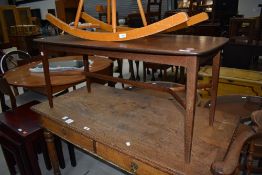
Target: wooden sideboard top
(153, 126)
(157, 44)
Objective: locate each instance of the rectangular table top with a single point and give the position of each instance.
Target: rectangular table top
(157, 44)
(153, 126)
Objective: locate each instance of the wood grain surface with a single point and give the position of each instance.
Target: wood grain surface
(152, 125)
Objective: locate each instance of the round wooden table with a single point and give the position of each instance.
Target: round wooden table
(23, 77)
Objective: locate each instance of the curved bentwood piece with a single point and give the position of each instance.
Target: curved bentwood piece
(115, 33)
(231, 161)
(121, 35)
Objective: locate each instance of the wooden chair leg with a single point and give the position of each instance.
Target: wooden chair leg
(120, 69)
(9, 161)
(148, 71)
(45, 154)
(71, 154)
(250, 158)
(160, 74)
(60, 155)
(137, 71)
(144, 72)
(153, 75)
(131, 70)
(165, 75)
(182, 78)
(4, 107)
(176, 74)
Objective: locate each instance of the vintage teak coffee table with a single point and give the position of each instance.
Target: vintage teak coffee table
(186, 51)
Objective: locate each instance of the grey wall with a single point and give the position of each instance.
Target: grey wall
(42, 5)
(249, 8)
(3, 2)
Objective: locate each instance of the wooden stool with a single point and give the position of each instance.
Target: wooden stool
(20, 133)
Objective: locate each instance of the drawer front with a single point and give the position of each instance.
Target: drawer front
(126, 162)
(68, 134)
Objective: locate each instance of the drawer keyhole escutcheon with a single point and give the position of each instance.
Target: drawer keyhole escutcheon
(134, 168)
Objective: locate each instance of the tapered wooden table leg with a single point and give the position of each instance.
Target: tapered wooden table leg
(215, 80)
(49, 90)
(192, 69)
(86, 68)
(49, 138)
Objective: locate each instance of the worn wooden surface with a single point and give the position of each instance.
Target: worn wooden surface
(22, 77)
(153, 126)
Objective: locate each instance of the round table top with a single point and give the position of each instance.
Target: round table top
(22, 77)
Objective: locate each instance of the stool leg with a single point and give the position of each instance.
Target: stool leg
(71, 154)
(144, 71)
(165, 75)
(45, 154)
(176, 74)
(9, 161)
(250, 158)
(58, 147)
(120, 69)
(131, 69)
(153, 75)
(32, 156)
(137, 70)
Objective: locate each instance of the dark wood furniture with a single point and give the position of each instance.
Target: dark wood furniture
(243, 30)
(139, 132)
(22, 77)
(154, 8)
(11, 15)
(162, 49)
(240, 55)
(66, 9)
(20, 134)
(230, 162)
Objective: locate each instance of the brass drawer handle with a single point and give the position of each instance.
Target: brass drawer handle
(134, 168)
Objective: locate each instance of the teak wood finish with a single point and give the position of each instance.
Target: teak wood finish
(179, 19)
(170, 24)
(155, 146)
(162, 49)
(121, 36)
(22, 77)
